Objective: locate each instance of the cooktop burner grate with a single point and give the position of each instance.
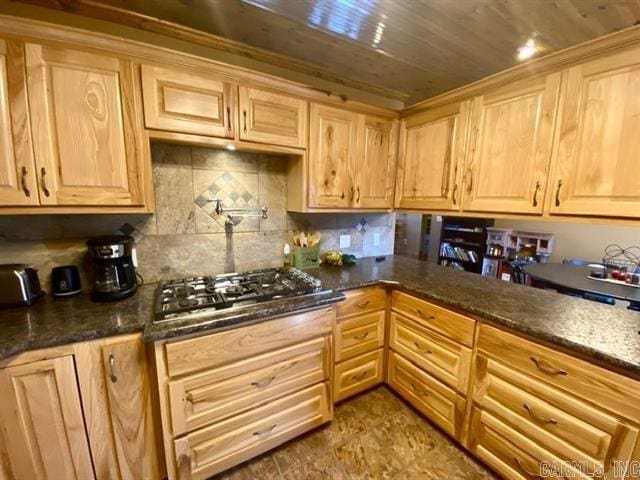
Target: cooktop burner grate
(182, 297)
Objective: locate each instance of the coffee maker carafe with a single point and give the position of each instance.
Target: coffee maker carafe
(115, 272)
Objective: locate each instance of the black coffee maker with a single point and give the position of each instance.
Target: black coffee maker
(115, 272)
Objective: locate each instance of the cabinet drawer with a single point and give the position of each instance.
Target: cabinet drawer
(448, 323)
(218, 447)
(362, 300)
(512, 455)
(446, 360)
(273, 118)
(558, 422)
(436, 401)
(358, 374)
(185, 101)
(207, 351)
(604, 388)
(360, 334)
(210, 396)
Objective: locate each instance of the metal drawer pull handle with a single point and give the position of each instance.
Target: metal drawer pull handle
(363, 304)
(190, 397)
(361, 336)
(546, 367)
(229, 118)
(538, 418)
(453, 194)
(420, 313)
(25, 189)
(266, 430)
(46, 191)
(535, 194)
(359, 376)
(525, 470)
(264, 383)
(419, 391)
(244, 114)
(358, 198)
(421, 349)
(112, 368)
(558, 193)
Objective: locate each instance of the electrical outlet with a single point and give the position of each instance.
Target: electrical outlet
(345, 241)
(376, 239)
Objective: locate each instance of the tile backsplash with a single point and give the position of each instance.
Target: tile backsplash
(185, 236)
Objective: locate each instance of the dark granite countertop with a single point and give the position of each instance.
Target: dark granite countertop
(608, 334)
(58, 321)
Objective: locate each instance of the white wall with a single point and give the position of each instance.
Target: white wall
(578, 240)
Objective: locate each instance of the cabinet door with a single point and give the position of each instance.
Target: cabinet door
(510, 147)
(273, 118)
(598, 158)
(431, 158)
(17, 170)
(85, 127)
(188, 102)
(41, 414)
(374, 172)
(333, 146)
(130, 409)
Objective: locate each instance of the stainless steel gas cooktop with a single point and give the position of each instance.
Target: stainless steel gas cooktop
(186, 296)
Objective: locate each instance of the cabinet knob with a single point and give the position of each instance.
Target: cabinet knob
(358, 197)
(228, 118)
(244, 115)
(112, 368)
(25, 189)
(453, 193)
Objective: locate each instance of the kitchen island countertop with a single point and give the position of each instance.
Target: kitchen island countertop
(607, 334)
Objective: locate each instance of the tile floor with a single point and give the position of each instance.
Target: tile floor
(373, 436)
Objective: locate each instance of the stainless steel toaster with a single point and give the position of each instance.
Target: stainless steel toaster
(19, 285)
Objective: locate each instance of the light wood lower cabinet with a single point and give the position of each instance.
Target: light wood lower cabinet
(445, 359)
(217, 447)
(359, 341)
(79, 411)
(358, 374)
(42, 418)
(436, 401)
(226, 397)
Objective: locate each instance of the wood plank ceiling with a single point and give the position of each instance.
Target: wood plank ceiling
(408, 50)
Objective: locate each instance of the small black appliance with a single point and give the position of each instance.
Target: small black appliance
(65, 281)
(114, 265)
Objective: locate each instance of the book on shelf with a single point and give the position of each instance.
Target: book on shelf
(458, 253)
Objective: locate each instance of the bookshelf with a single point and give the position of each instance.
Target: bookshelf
(463, 242)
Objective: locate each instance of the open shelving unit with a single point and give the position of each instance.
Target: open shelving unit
(463, 242)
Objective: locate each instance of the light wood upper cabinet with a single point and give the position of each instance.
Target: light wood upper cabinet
(273, 118)
(41, 413)
(85, 127)
(510, 147)
(188, 102)
(17, 170)
(432, 151)
(333, 148)
(597, 166)
(375, 167)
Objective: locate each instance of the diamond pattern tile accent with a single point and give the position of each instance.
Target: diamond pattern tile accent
(232, 194)
(362, 226)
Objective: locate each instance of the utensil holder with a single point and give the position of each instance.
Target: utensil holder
(306, 257)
